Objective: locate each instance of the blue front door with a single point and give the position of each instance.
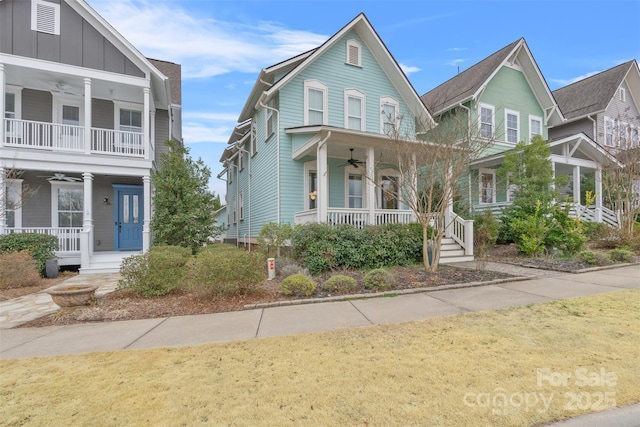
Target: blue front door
(129, 217)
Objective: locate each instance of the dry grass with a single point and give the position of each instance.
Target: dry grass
(418, 373)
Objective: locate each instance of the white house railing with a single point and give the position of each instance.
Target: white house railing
(357, 217)
(59, 137)
(462, 232)
(68, 237)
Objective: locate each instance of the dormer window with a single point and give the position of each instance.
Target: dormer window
(45, 17)
(354, 56)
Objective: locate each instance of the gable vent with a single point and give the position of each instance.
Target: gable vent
(353, 55)
(45, 17)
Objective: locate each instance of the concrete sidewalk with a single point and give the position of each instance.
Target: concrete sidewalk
(289, 320)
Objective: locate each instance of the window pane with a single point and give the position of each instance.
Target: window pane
(355, 191)
(136, 216)
(10, 105)
(10, 218)
(64, 219)
(76, 219)
(315, 99)
(536, 128)
(125, 209)
(136, 119)
(70, 115)
(355, 107)
(315, 117)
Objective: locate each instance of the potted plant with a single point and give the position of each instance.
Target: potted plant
(72, 294)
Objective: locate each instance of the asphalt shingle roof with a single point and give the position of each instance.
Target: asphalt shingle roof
(465, 84)
(592, 94)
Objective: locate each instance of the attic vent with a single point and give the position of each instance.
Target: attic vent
(45, 17)
(353, 53)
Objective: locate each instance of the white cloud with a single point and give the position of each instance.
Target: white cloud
(194, 132)
(565, 82)
(457, 49)
(455, 62)
(205, 47)
(213, 117)
(408, 69)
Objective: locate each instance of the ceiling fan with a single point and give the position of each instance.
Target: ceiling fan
(63, 89)
(60, 177)
(353, 162)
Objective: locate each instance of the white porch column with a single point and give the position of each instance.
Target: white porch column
(371, 185)
(146, 117)
(87, 115)
(152, 134)
(3, 198)
(598, 178)
(323, 183)
(87, 220)
(2, 107)
(146, 224)
(576, 184)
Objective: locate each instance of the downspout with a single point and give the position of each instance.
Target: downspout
(242, 150)
(277, 112)
(595, 127)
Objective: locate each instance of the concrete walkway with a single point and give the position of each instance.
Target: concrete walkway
(289, 320)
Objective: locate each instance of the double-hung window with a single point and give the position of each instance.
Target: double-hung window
(512, 120)
(535, 126)
(12, 111)
(486, 121)
(355, 190)
(128, 120)
(67, 203)
(13, 203)
(389, 109)
(354, 107)
(608, 132)
(315, 103)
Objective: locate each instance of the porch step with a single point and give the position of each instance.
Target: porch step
(106, 263)
(452, 252)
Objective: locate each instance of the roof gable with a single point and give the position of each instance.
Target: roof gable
(470, 84)
(593, 94)
(263, 90)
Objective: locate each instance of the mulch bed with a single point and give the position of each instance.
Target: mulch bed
(124, 305)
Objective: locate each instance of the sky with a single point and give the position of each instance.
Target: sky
(223, 44)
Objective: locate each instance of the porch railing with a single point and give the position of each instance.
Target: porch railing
(462, 233)
(59, 137)
(68, 237)
(357, 217)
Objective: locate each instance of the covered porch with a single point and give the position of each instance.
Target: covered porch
(350, 177)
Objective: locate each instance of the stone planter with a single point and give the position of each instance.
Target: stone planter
(72, 295)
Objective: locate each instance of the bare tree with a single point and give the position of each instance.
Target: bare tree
(10, 197)
(621, 173)
(435, 169)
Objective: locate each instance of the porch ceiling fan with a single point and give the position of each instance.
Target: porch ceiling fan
(352, 162)
(58, 176)
(63, 89)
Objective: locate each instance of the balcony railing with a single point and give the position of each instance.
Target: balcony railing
(357, 217)
(59, 137)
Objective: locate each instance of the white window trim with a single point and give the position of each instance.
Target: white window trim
(355, 93)
(493, 119)
(55, 185)
(623, 137)
(230, 172)
(56, 16)
(531, 119)
(389, 101)
(269, 116)
(235, 210)
(491, 172)
(241, 159)
(623, 94)
(350, 170)
(613, 132)
(317, 85)
(120, 105)
(17, 93)
(241, 205)
(506, 125)
(15, 186)
(354, 43)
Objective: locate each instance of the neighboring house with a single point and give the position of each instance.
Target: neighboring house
(85, 121)
(312, 134)
(508, 101)
(602, 114)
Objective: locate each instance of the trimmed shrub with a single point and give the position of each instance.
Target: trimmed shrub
(594, 230)
(223, 270)
(298, 285)
(17, 270)
(40, 246)
(379, 280)
(323, 247)
(485, 231)
(340, 284)
(621, 255)
(593, 258)
(155, 273)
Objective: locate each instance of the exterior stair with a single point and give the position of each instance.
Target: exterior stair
(108, 262)
(452, 252)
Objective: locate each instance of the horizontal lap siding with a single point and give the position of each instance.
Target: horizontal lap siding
(331, 70)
